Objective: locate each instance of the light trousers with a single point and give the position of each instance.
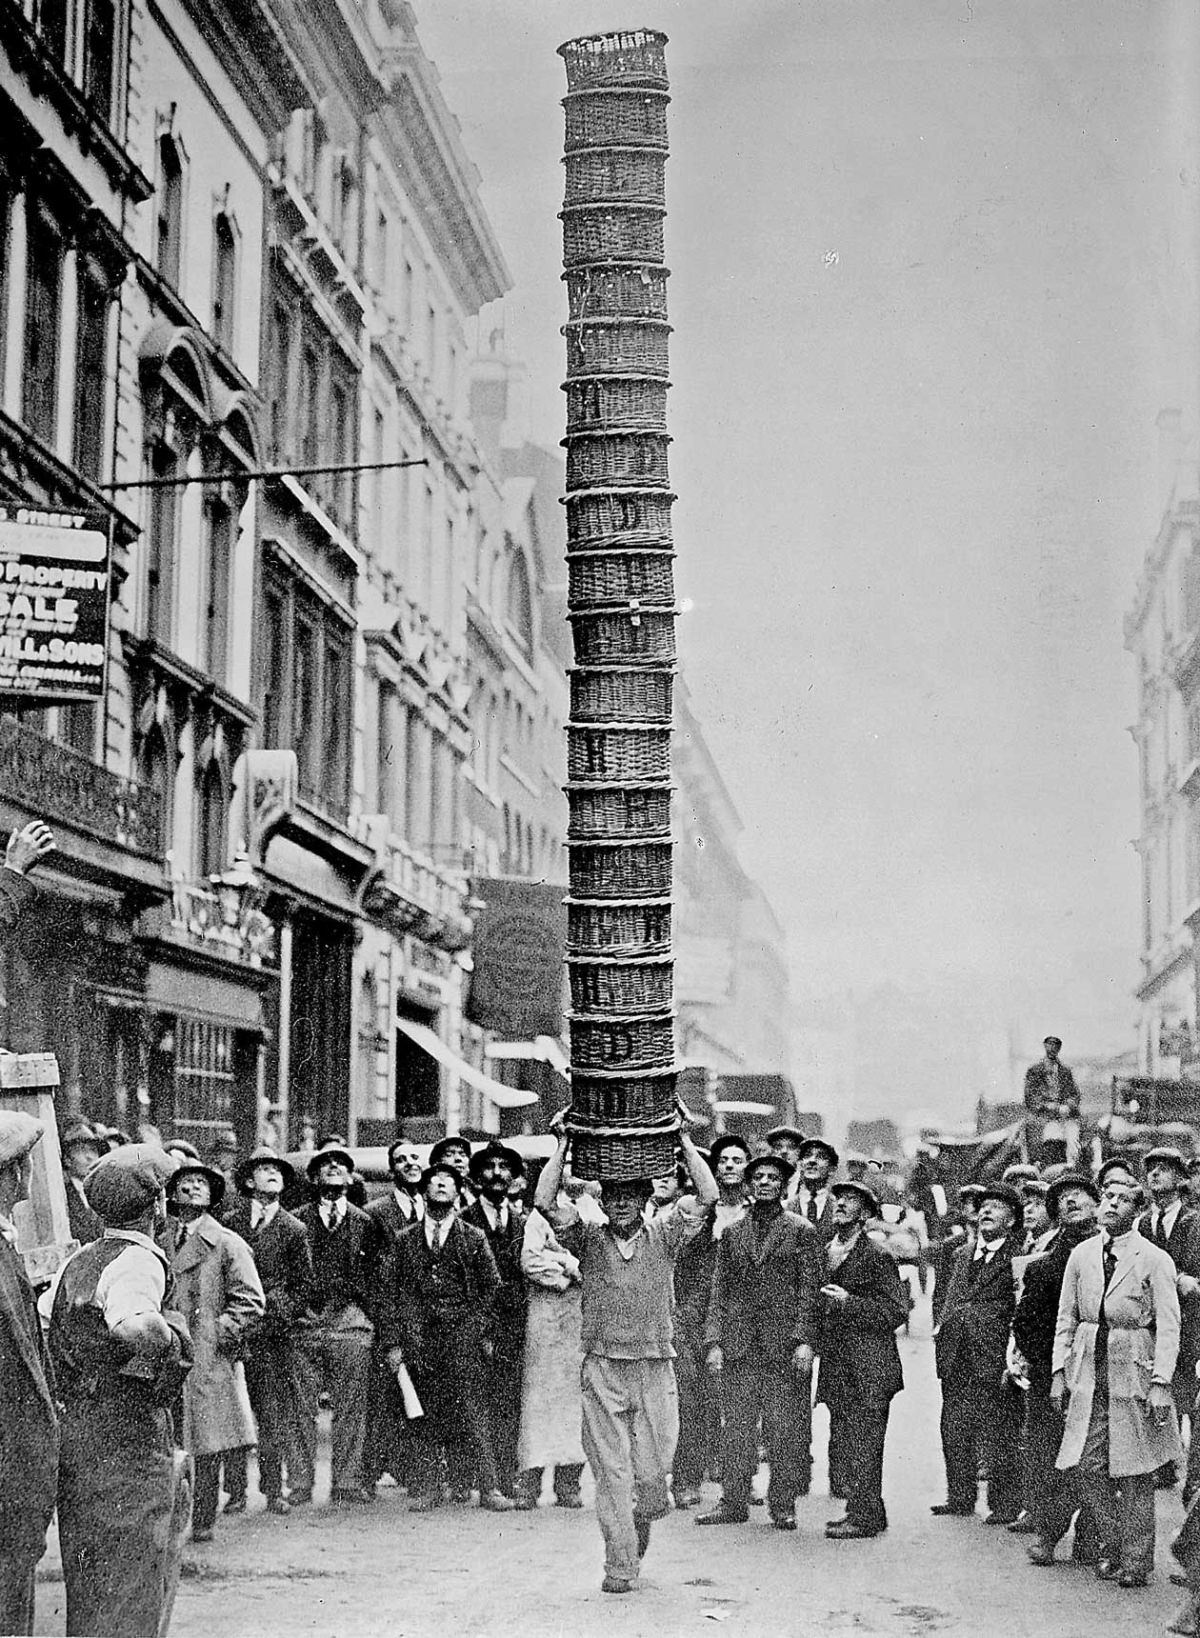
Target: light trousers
(630, 1429)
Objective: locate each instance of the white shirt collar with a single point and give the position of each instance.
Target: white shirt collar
(498, 1218)
(263, 1212)
(412, 1206)
(436, 1233)
(332, 1211)
(8, 1230)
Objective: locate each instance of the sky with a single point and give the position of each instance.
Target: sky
(933, 279)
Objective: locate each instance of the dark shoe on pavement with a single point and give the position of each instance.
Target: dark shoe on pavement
(1133, 1578)
(568, 1501)
(299, 1498)
(1178, 1579)
(616, 1584)
(1107, 1569)
(1185, 1620)
(1023, 1525)
(495, 1501)
(1040, 1554)
(720, 1514)
(1005, 1519)
(951, 1510)
(425, 1503)
(685, 1498)
(457, 1496)
(783, 1521)
(202, 1535)
(524, 1502)
(235, 1504)
(847, 1530)
(642, 1526)
(350, 1497)
(276, 1504)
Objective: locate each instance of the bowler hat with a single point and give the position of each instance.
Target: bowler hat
(180, 1146)
(330, 1152)
(436, 1166)
(825, 1148)
(1019, 1172)
(1065, 1181)
(197, 1168)
(727, 1140)
(496, 1151)
(18, 1134)
(444, 1145)
(79, 1132)
(793, 1134)
(1006, 1193)
(852, 1185)
(1166, 1155)
(1051, 1040)
(1032, 1188)
(123, 1184)
(784, 1167)
(971, 1191)
(263, 1156)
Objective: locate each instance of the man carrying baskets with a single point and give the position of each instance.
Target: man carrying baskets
(630, 1406)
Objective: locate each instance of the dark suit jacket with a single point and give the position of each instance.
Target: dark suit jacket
(764, 1293)
(694, 1269)
(284, 1263)
(1036, 1314)
(344, 1271)
(511, 1300)
(824, 1224)
(28, 1420)
(1039, 1099)
(389, 1219)
(15, 893)
(406, 1311)
(1183, 1248)
(85, 1225)
(860, 1361)
(972, 1340)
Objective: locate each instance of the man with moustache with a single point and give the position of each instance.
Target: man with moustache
(861, 1306)
(699, 1443)
(493, 1169)
(281, 1255)
(980, 1409)
(1051, 1496)
(1115, 1348)
(760, 1335)
(440, 1288)
(335, 1334)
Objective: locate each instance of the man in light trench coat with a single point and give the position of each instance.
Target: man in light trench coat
(1115, 1348)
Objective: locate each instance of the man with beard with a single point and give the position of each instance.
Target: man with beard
(811, 1198)
(281, 1255)
(440, 1287)
(980, 1409)
(630, 1406)
(699, 1391)
(493, 1169)
(1115, 1348)
(862, 1305)
(1050, 1496)
(760, 1335)
(336, 1333)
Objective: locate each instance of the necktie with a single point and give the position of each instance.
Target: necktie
(811, 1208)
(1110, 1264)
(1160, 1229)
(256, 1215)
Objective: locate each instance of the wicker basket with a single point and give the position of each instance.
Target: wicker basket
(624, 175)
(633, 753)
(626, 694)
(615, 1044)
(612, 233)
(607, 518)
(620, 870)
(597, 578)
(604, 636)
(625, 1159)
(635, 56)
(635, 928)
(596, 458)
(615, 114)
(595, 403)
(620, 987)
(616, 292)
(643, 1097)
(618, 346)
(612, 812)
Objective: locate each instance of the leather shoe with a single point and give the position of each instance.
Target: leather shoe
(299, 1498)
(687, 1498)
(276, 1504)
(847, 1530)
(423, 1504)
(362, 1497)
(783, 1521)
(1005, 1519)
(951, 1510)
(524, 1502)
(572, 1502)
(202, 1535)
(721, 1514)
(1022, 1525)
(235, 1504)
(1040, 1554)
(1107, 1569)
(1178, 1579)
(616, 1584)
(1133, 1578)
(459, 1496)
(495, 1501)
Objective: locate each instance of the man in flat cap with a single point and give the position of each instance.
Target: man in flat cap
(120, 1356)
(1052, 1106)
(493, 1169)
(760, 1336)
(28, 1420)
(980, 1409)
(861, 1305)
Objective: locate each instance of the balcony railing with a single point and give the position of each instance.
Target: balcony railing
(44, 777)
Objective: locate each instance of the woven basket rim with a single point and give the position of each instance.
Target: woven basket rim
(618, 670)
(612, 207)
(607, 727)
(616, 264)
(591, 434)
(618, 904)
(624, 492)
(602, 960)
(620, 88)
(604, 321)
(616, 785)
(622, 551)
(634, 377)
(599, 609)
(621, 841)
(657, 1072)
(655, 1016)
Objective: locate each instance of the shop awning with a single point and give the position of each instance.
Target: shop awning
(743, 1106)
(504, 1097)
(205, 996)
(543, 1049)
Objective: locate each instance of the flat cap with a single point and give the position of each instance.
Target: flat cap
(852, 1185)
(18, 1134)
(820, 1145)
(1069, 1180)
(122, 1185)
(791, 1134)
(1166, 1154)
(782, 1166)
(1006, 1194)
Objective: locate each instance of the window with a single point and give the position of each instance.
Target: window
(519, 613)
(42, 299)
(99, 58)
(224, 276)
(306, 687)
(205, 1082)
(169, 222)
(163, 525)
(281, 352)
(77, 727)
(306, 696)
(53, 20)
(218, 551)
(155, 771)
(274, 666)
(210, 831)
(339, 404)
(310, 380)
(91, 392)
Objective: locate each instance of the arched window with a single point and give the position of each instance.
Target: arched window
(519, 612)
(100, 57)
(156, 771)
(224, 280)
(169, 222)
(210, 829)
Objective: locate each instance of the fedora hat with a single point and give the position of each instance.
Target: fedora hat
(197, 1168)
(263, 1156)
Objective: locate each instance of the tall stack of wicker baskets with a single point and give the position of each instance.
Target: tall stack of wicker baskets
(621, 605)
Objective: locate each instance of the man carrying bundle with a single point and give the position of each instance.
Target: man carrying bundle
(630, 1408)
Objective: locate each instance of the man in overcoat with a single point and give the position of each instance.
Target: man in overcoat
(28, 1418)
(219, 1294)
(980, 1409)
(1115, 1348)
(436, 1317)
(280, 1249)
(1052, 1102)
(493, 1169)
(861, 1305)
(760, 1335)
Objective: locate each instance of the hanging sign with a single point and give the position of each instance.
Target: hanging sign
(54, 578)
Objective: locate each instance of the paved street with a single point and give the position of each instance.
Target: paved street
(463, 1572)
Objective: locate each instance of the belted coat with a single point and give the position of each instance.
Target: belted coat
(1142, 1310)
(219, 1293)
